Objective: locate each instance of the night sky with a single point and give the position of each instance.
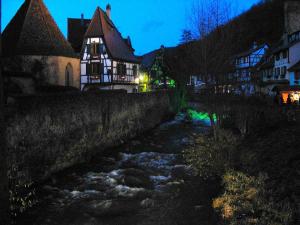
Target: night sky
(149, 23)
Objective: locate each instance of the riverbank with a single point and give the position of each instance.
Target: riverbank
(255, 150)
(142, 182)
(47, 134)
(263, 186)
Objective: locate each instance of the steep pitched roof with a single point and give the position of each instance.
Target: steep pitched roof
(76, 31)
(250, 51)
(33, 31)
(102, 26)
(148, 59)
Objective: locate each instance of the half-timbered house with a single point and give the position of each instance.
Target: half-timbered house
(245, 64)
(278, 69)
(107, 59)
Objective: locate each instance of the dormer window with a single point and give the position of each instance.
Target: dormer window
(95, 49)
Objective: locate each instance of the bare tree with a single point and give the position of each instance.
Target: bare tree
(208, 15)
(4, 198)
(217, 34)
(211, 25)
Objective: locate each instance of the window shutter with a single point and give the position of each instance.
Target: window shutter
(98, 51)
(124, 70)
(134, 70)
(118, 69)
(88, 69)
(101, 68)
(98, 68)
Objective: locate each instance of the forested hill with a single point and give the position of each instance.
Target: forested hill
(263, 23)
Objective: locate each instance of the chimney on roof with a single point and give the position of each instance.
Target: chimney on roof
(108, 11)
(82, 19)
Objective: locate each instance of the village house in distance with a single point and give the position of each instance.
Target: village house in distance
(279, 69)
(245, 62)
(107, 60)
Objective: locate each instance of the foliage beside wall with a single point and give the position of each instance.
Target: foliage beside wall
(247, 200)
(210, 157)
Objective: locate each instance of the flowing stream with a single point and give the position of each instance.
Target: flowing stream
(143, 182)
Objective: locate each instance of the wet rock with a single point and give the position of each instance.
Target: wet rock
(135, 143)
(150, 161)
(51, 189)
(108, 160)
(159, 180)
(132, 181)
(53, 180)
(148, 203)
(170, 187)
(130, 192)
(186, 141)
(137, 178)
(198, 207)
(135, 172)
(112, 207)
(182, 171)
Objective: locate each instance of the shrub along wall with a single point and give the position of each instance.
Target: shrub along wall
(51, 133)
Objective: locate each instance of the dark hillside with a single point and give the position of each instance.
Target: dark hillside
(263, 23)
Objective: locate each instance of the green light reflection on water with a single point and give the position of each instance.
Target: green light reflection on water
(201, 116)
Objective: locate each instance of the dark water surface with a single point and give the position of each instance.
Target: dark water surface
(143, 182)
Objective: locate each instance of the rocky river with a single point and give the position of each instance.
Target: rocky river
(142, 182)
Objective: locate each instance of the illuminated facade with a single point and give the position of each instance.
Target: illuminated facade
(107, 60)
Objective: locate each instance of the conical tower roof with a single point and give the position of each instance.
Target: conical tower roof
(33, 31)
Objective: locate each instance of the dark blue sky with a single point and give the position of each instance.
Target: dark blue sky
(149, 23)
